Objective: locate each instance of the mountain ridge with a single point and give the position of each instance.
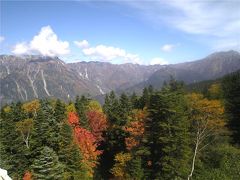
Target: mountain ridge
(32, 76)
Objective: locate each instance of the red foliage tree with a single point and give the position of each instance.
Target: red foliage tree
(86, 140)
(98, 123)
(87, 144)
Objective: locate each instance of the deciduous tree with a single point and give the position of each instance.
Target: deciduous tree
(25, 128)
(98, 124)
(207, 121)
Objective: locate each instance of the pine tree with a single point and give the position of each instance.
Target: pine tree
(144, 99)
(111, 109)
(14, 154)
(47, 166)
(125, 108)
(134, 101)
(135, 169)
(59, 111)
(168, 134)
(70, 155)
(231, 94)
(46, 128)
(81, 107)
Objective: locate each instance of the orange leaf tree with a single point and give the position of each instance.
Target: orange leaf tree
(73, 119)
(135, 128)
(27, 176)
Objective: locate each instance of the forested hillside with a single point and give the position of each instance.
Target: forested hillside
(163, 134)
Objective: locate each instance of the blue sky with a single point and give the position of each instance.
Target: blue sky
(145, 32)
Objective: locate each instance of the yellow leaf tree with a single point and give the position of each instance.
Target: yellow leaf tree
(25, 128)
(31, 107)
(120, 168)
(207, 121)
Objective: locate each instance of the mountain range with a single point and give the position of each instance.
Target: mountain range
(32, 76)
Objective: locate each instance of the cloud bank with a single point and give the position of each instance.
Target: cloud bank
(107, 53)
(46, 43)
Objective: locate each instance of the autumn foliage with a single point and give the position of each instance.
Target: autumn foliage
(119, 169)
(88, 146)
(98, 123)
(86, 140)
(32, 106)
(208, 114)
(73, 119)
(27, 176)
(135, 129)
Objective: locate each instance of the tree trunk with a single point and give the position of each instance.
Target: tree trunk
(194, 158)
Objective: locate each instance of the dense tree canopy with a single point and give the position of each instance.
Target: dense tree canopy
(161, 134)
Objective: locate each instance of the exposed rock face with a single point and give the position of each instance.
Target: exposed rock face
(107, 77)
(28, 77)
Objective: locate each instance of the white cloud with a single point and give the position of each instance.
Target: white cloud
(82, 44)
(158, 60)
(110, 53)
(45, 43)
(2, 38)
(216, 20)
(206, 17)
(167, 47)
(21, 48)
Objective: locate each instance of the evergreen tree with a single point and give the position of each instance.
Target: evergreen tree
(81, 107)
(14, 154)
(231, 94)
(46, 131)
(47, 166)
(59, 111)
(111, 109)
(70, 155)
(125, 108)
(135, 169)
(168, 134)
(144, 100)
(134, 101)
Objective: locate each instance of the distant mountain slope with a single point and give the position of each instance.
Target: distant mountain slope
(203, 86)
(28, 77)
(107, 77)
(213, 66)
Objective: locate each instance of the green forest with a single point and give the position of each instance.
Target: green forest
(169, 134)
